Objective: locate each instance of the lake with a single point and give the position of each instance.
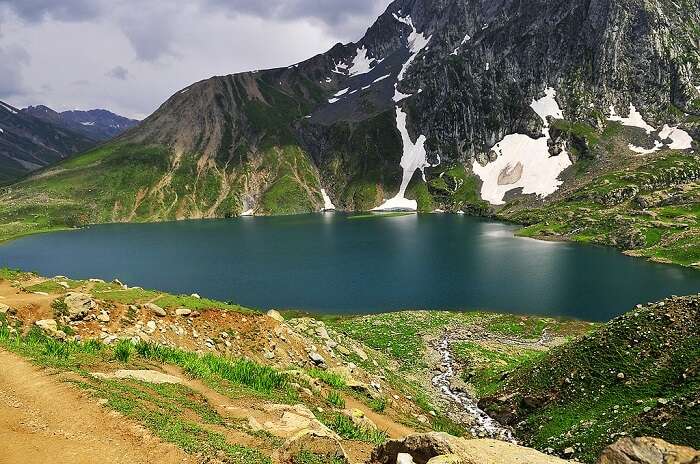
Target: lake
(333, 263)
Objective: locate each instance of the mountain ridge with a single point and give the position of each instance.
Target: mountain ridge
(465, 74)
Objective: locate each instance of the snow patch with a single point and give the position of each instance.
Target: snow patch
(185, 91)
(634, 119)
(248, 212)
(8, 108)
(398, 96)
(524, 162)
(340, 68)
(88, 123)
(327, 203)
(413, 158)
(645, 151)
(380, 78)
(680, 139)
(1, 131)
(416, 43)
(361, 64)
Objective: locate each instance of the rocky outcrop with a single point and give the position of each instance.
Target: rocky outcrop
(646, 450)
(441, 448)
(78, 305)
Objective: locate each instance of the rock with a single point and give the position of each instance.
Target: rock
(157, 310)
(342, 350)
(404, 458)
(50, 328)
(4, 309)
(441, 448)
(646, 450)
(324, 447)
(140, 375)
(78, 305)
(322, 333)
(103, 317)
(289, 420)
(150, 327)
(568, 452)
(360, 352)
(196, 295)
(317, 358)
(358, 417)
(183, 312)
(275, 315)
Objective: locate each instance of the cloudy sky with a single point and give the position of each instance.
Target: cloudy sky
(128, 56)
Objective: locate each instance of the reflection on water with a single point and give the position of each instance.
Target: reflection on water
(329, 263)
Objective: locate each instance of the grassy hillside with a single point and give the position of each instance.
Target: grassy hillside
(648, 207)
(638, 375)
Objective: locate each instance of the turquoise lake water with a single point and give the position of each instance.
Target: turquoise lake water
(332, 263)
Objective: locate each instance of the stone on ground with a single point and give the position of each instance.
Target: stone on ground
(646, 450)
(275, 315)
(324, 446)
(147, 376)
(155, 309)
(78, 305)
(441, 448)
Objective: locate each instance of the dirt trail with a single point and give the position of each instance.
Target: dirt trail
(45, 420)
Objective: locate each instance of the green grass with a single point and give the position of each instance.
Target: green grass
(308, 457)
(377, 404)
(329, 378)
(486, 367)
(335, 399)
(574, 395)
(343, 426)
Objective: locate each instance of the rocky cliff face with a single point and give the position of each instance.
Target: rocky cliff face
(484, 100)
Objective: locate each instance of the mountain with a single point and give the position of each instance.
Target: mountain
(458, 105)
(99, 125)
(28, 143)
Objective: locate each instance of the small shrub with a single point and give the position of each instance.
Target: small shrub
(123, 350)
(59, 307)
(378, 404)
(329, 378)
(336, 399)
(344, 426)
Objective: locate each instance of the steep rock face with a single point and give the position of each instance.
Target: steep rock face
(466, 74)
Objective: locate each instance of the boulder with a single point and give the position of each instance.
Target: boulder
(441, 448)
(5, 309)
(646, 450)
(50, 327)
(404, 458)
(358, 417)
(78, 305)
(183, 312)
(155, 309)
(103, 317)
(317, 358)
(286, 421)
(273, 314)
(323, 446)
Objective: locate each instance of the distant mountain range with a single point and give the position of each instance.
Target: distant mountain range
(36, 137)
(99, 125)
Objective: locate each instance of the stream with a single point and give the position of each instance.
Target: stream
(484, 425)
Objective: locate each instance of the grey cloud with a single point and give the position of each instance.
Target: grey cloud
(330, 12)
(63, 10)
(118, 72)
(12, 59)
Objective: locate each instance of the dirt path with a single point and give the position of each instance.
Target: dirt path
(45, 420)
